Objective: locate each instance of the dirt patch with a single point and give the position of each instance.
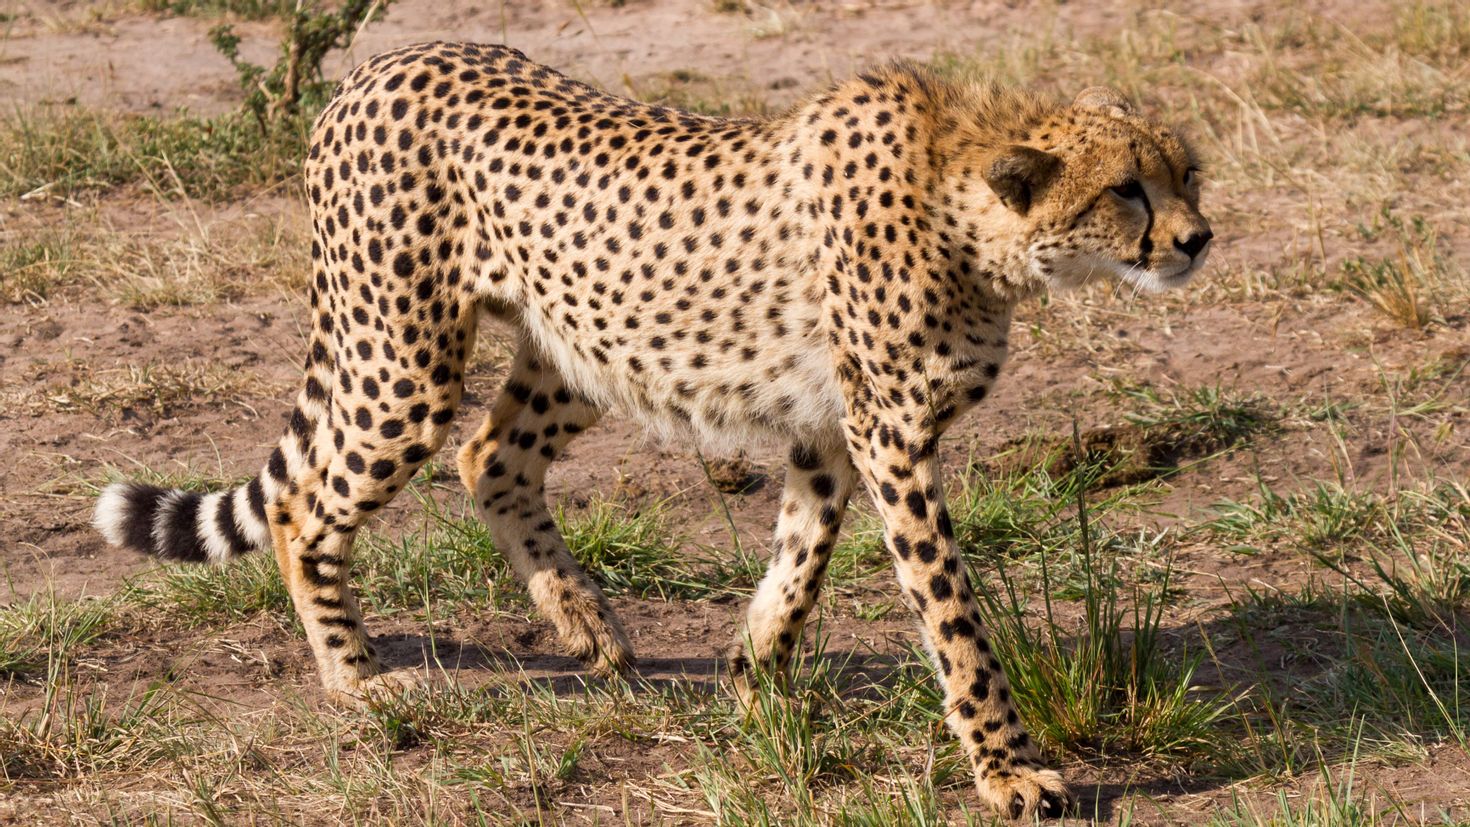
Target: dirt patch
(196, 384)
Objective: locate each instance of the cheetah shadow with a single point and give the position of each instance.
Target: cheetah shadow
(1107, 788)
(472, 664)
(858, 673)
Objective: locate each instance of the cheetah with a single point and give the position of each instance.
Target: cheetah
(839, 279)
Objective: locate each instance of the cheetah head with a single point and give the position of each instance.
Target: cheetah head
(1099, 190)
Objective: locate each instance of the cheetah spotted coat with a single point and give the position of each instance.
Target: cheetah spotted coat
(839, 279)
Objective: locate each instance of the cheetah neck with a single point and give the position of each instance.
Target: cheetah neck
(986, 249)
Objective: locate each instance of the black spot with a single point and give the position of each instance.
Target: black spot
(917, 504)
(823, 486)
(940, 587)
(927, 551)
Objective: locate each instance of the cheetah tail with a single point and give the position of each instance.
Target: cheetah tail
(197, 527)
(217, 527)
(187, 526)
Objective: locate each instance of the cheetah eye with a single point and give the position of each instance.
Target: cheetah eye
(1131, 191)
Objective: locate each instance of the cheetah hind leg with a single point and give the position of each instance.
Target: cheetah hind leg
(504, 467)
(313, 524)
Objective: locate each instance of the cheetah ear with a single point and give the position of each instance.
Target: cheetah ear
(1017, 173)
(1104, 99)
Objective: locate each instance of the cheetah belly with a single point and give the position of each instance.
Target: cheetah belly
(717, 393)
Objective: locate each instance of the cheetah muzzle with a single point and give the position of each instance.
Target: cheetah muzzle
(839, 279)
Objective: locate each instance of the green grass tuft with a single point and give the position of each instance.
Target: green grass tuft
(1208, 418)
(1334, 801)
(1114, 686)
(630, 550)
(450, 564)
(35, 264)
(1326, 516)
(39, 634)
(78, 733)
(214, 594)
(997, 515)
(1417, 285)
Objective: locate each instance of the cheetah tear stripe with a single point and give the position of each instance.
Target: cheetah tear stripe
(183, 526)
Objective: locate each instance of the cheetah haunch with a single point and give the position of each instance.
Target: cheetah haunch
(840, 278)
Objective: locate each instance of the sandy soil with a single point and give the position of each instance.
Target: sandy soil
(103, 55)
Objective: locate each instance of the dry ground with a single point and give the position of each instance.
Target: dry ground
(1261, 622)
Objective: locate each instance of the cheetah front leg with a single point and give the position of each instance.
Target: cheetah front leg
(819, 482)
(900, 465)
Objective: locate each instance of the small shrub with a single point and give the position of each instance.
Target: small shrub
(295, 86)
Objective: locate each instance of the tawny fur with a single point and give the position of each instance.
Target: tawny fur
(839, 279)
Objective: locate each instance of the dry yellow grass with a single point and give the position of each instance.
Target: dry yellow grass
(1330, 609)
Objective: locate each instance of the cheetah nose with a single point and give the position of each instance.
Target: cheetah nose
(1191, 246)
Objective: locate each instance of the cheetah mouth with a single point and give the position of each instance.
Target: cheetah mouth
(1158, 280)
(1183, 275)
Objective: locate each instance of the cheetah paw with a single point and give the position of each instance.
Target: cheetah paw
(746, 680)
(1027, 794)
(361, 692)
(598, 641)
